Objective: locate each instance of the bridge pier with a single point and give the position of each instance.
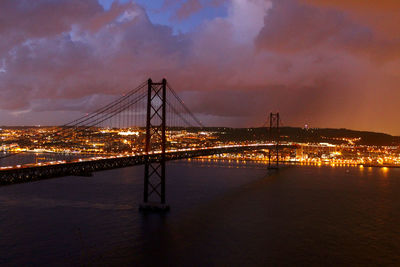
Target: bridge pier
(274, 120)
(154, 170)
(153, 207)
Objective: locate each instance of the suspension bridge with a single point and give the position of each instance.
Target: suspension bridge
(149, 125)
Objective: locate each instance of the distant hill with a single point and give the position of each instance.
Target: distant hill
(314, 135)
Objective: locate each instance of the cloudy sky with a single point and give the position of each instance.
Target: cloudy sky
(327, 63)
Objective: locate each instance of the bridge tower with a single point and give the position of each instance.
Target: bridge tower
(154, 168)
(274, 135)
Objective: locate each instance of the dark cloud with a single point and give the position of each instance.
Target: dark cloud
(383, 15)
(316, 63)
(187, 8)
(23, 19)
(88, 58)
(291, 27)
(44, 17)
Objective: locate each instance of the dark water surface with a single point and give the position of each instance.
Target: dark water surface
(231, 215)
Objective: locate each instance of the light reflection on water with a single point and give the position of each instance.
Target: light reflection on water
(221, 214)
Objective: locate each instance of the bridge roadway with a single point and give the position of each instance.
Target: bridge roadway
(85, 167)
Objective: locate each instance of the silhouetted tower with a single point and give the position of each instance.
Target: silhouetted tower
(154, 168)
(274, 137)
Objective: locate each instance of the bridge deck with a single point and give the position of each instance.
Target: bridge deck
(85, 167)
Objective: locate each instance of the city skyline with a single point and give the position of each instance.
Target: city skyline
(333, 64)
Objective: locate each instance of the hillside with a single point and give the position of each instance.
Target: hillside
(315, 135)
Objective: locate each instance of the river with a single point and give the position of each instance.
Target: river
(221, 214)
